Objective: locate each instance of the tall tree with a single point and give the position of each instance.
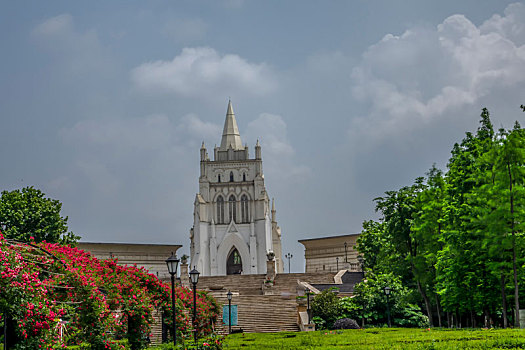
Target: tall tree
(462, 262)
(510, 201)
(28, 213)
(427, 227)
(399, 208)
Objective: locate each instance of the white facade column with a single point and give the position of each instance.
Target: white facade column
(213, 250)
(253, 249)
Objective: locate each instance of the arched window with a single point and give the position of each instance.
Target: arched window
(234, 263)
(218, 178)
(231, 176)
(244, 177)
(244, 208)
(232, 208)
(220, 210)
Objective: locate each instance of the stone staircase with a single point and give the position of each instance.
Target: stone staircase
(262, 314)
(257, 312)
(243, 284)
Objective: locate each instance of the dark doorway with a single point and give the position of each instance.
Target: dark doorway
(234, 263)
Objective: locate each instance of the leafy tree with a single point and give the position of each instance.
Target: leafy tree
(28, 213)
(427, 227)
(464, 279)
(374, 245)
(504, 202)
(456, 238)
(370, 302)
(400, 209)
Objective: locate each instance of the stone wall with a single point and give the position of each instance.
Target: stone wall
(150, 256)
(328, 253)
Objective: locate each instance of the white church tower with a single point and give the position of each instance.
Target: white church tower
(234, 227)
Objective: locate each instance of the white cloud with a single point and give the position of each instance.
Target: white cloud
(278, 153)
(75, 54)
(122, 136)
(198, 129)
(55, 25)
(510, 26)
(412, 79)
(202, 71)
(135, 173)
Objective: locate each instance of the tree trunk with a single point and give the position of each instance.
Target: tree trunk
(427, 303)
(438, 306)
(516, 287)
(503, 301)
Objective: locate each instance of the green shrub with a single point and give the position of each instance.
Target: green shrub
(325, 305)
(411, 316)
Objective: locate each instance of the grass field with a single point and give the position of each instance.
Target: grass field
(384, 338)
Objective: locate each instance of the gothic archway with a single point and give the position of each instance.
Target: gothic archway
(234, 263)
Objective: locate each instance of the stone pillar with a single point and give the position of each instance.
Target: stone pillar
(270, 269)
(184, 275)
(213, 250)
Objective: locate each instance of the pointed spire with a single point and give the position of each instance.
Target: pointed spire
(273, 210)
(258, 150)
(230, 133)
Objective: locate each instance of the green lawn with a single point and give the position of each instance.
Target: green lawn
(384, 338)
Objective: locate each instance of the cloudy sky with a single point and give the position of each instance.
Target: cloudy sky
(104, 105)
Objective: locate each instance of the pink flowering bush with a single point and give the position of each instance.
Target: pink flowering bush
(61, 296)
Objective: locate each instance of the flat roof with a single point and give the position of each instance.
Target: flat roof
(328, 237)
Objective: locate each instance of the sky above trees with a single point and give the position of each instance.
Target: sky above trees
(104, 106)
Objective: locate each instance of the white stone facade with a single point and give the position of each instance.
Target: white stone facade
(232, 210)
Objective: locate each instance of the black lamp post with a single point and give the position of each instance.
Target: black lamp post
(289, 257)
(307, 292)
(337, 263)
(387, 293)
(194, 278)
(346, 253)
(229, 311)
(173, 264)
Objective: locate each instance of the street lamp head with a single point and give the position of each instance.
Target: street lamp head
(173, 263)
(387, 290)
(194, 276)
(229, 295)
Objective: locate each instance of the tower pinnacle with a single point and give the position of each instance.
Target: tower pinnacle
(230, 134)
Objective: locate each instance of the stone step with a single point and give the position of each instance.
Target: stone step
(257, 312)
(263, 313)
